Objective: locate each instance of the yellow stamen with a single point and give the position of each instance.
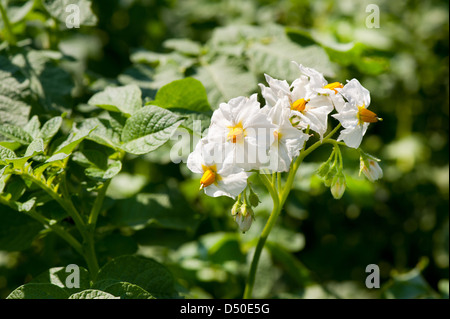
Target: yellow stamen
(209, 176)
(333, 86)
(364, 115)
(236, 133)
(277, 135)
(299, 105)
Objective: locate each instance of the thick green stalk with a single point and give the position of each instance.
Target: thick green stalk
(278, 203)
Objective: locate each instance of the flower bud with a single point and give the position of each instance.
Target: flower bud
(329, 176)
(323, 169)
(370, 167)
(253, 199)
(244, 218)
(236, 207)
(338, 186)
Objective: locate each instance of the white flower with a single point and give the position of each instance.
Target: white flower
(244, 130)
(244, 217)
(369, 166)
(354, 115)
(310, 96)
(288, 140)
(218, 179)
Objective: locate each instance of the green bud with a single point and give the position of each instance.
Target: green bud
(236, 207)
(323, 169)
(253, 199)
(338, 186)
(328, 179)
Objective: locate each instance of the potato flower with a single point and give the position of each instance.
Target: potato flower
(354, 115)
(218, 179)
(244, 130)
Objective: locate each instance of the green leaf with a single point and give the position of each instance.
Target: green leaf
(71, 142)
(50, 128)
(17, 230)
(5, 153)
(32, 127)
(36, 147)
(168, 210)
(16, 134)
(14, 89)
(17, 12)
(145, 273)
(275, 58)
(148, 129)
(126, 99)
(185, 46)
(102, 132)
(57, 276)
(50, 83)
(122, 289)
(92, 294)
(38, 291)
(58, 10)
(98, 174)
(224, 81)
(187, 94)
(410, 285)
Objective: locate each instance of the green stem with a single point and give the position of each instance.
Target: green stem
(98, 203)
(9, 35)
(278, 202)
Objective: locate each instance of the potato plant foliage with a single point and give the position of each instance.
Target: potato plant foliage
(102, 102)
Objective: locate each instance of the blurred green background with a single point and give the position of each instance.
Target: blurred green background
(321, 246)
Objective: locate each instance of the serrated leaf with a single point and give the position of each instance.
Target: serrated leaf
(187, 94)
(126, 99)
(59, 10)
(92, 294)
(145, 273)
(148, 129)
(38, 291)
(16, 134)
(224, 81)
(50, 128)
(123, 290)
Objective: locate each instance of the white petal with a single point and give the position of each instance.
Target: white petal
(352, 137)
(356, 94)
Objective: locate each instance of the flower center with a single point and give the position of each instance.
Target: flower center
(364, 115)
(209, 176)
(333, 86)
(299, 105)
(236, 133)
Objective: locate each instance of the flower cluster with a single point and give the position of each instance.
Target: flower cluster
(244, 137)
